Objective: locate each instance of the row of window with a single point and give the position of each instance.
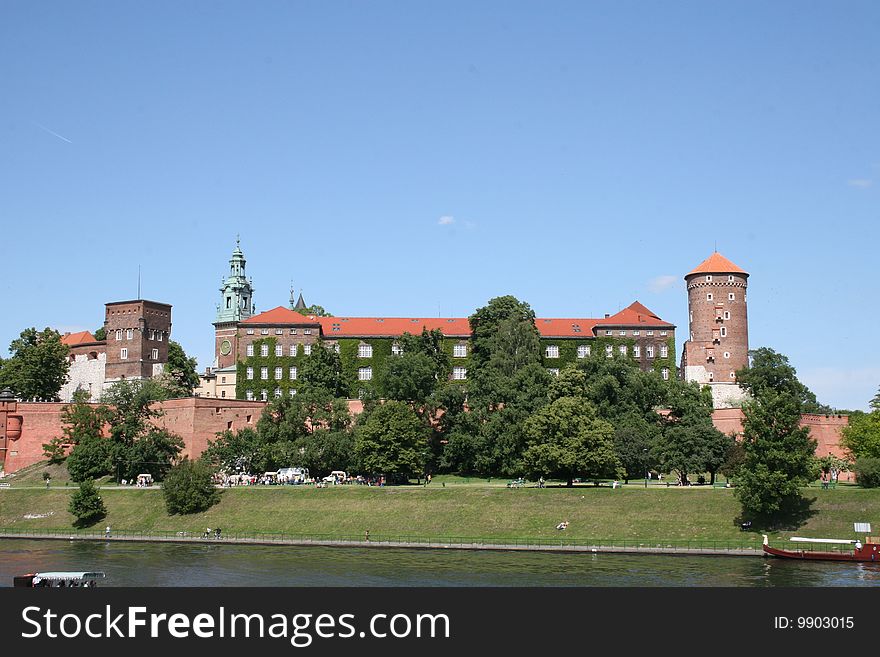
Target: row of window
(664, 372)
(635, 332)
(129, 334)
(364, 350)
(584, 350)
(731, 296)
(123, 354)
(264, 395)
(279, 373)
(293, 350)
(709, 278)
(279, 331)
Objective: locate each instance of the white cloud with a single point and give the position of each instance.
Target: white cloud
(662, 283)
(446, 220)
(861, 183)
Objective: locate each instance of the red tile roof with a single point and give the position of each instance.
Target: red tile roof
(717, 264)
(634, 315)
(74, 339)
(345, 327)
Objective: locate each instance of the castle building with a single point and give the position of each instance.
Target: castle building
(136, 347)
(718, 340)
(261, 355)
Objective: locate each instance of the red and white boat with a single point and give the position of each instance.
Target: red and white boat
(868, 551)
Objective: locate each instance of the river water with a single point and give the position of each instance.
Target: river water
(165, 564)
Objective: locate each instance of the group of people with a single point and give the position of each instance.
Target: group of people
(207, 533)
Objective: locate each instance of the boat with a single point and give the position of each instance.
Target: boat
(868, 551)
(59, 579)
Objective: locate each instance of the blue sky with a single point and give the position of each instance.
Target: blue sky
(410, 159)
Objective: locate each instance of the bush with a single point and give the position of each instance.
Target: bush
(87, 505)
(189, 488)
(867, 471)
(89, 459)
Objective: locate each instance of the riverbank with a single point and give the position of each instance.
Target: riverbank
(466, 514)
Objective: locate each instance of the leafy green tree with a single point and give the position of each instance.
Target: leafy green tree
(90, 458)
(237, 451)
(38, 366)
(314, 309)
(325, 451)
(100, 333)
(770, 370)
(322, 372)
(86, 505)
(414, 374)
(153, 453)
(861, 437)
(634, 439)
(867, 469)
(567, 439)
(392, 441)
(688, 448)
(733, 460)
(780, 456)
(79, 420)
(180, 376)
(189, 488)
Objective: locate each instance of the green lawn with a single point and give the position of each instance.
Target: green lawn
(485, 511)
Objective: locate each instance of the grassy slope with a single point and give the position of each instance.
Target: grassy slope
(476, 511)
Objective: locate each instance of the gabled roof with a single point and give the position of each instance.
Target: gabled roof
(281, 315)
(634, 315)
(717, 264)
(565, 328)
(74, 339)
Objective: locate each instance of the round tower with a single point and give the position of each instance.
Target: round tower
(718, 344)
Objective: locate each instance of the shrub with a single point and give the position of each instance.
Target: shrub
(867, 471)
(189, 488)
(87, 505)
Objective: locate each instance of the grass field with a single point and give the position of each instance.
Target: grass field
(461, 509)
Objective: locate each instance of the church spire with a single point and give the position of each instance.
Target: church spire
(237, 293)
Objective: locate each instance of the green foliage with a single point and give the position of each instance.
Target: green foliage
(189, 488)
(415, 374)
(322, 371)
(314, 309)
(86, 505)
(779, 455)
(100, 333)
(38, 366)
(79, 421)
(567, 439)
(770, 370)
(867, 469)
(180, 377)
(691, 447)
(325, 451)
(90, 459)
(153, 453)
(392, 441)
(486, 320)
(861, 437)
(634, 439)
(734, 460)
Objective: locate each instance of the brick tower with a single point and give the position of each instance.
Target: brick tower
(137, 339)
(236, 304)
(718, 344)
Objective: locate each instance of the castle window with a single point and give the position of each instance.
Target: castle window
(459, 351)
(622, 349)
(609, 351)
(278, 373)
(264, 350)
(711, 376)
(665, 373)
(93, 355)
(726, 314)
(250, 350)
(279, 350)
(622, 333)
(222, 379)
(551, 351)
(336, 347)
(293, 374)
(723, 331)
(279, 331)
(365, 351)
(249, 395)
(250, 373)
(664, 351)
(459, 373)
(731, 296)
(229, 302)
(709, 296)
(159, 336)
(293, 331)
(709, 278)
(727, 354)
(396, 349)
(154, 354)
(636, 332)
(223, 393)
(662, 334)
(264, 373)
(553, 371)
(293, 350)
(277, 393)
(730, 279)
(307, 331)
(118, 334)
(307, 349)
(264, 331)
(733, 375)
(292, 392)
(609, 332)
(583, 350)
(637, 351)
(250, 331)
(649, 333)
(264, 396)
(129, 334)
(123, 353)
(365, 373)
(649, 351)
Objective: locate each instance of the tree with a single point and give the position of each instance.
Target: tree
(567, 439)
(414, 374)
(325, 451)
(392, 441)
(38, 366)
(634, 439)
(79, 421)
(314, 309)
(189, 488)
(90, 459)
(86, 505)
(867, 469)
(770, 370)
(152, 453)
(100, 333)
(780, 456)
(322, 372)
(861, 437)
(691, 447)
(180, 376)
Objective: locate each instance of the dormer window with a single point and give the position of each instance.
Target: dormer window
(709, 278)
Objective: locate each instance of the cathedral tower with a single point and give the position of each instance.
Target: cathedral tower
(236, 304)
(718, 343)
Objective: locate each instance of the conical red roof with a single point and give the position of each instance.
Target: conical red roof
(717, 264)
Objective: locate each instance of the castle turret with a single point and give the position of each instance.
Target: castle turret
(236, 304)
(718, 343)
